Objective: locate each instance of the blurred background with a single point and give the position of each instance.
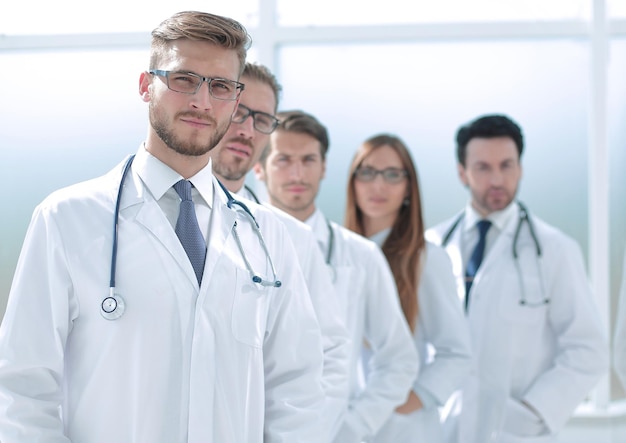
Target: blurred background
(69, 75)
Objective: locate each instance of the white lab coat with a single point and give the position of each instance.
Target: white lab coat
(335, 337)
(619, 337)
(369, 300)
(442, 339)
(228, 362)
(548, 355)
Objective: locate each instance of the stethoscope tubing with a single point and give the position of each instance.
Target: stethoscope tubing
(113, 306)
(255, 278)
(523, 217)
(116, 217)
(331, 232)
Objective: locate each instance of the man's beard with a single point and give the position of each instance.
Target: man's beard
(230, 167)
(229, 172)
(189, 148)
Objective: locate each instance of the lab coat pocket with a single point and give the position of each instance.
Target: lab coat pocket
(523, 301)
(523, 297)
(249, 315)
(520, 421)
(405, 428)
(505, 437)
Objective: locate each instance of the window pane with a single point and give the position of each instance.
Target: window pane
(78, 16)
(433, 88)
(332, 12)
(56, 133)
(616, 8)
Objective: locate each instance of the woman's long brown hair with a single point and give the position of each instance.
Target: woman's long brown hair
(405, 244)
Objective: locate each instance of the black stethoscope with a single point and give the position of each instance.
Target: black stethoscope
(331, 237)
(329, 251)
(523, 218)
(113, 306)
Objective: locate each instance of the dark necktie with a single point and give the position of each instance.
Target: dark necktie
(188, 231)
(476, 257)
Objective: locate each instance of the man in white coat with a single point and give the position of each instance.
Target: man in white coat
(292, 169)
(171, 353)
(232, 158)
(537, 337)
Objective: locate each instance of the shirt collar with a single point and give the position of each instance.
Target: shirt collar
(499, 219)
(159, 177)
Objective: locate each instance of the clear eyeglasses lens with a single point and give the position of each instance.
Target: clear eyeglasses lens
(189, 83)
(263, 122)
(390, 175)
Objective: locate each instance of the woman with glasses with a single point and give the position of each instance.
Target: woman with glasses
(384, 205)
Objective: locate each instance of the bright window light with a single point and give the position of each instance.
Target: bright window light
(332, 12)
(80, 17)
(616, 8)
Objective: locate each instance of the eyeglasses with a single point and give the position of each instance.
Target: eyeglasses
(189, 83)
(262, 121)
(390, 175)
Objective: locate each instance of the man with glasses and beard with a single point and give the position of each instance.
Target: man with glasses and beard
(194, 329)
(233, 157)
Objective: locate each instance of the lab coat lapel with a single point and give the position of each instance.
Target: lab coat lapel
(453, 248)
(138, 204)
(222, 221)
(141, 205)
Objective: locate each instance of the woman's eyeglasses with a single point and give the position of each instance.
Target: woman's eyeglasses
(390, 175)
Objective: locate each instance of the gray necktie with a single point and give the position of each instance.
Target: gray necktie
(188, 231)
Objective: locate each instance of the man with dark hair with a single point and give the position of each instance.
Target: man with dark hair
(147, 306)
(489, 126)
(539, 345)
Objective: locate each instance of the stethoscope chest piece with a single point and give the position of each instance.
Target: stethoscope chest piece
(112, 307)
